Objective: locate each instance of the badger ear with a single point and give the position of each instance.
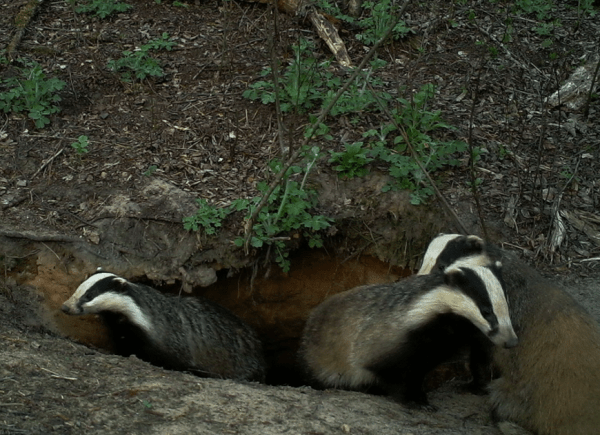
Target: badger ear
(475, 243)
(453, 277)
(120, 284)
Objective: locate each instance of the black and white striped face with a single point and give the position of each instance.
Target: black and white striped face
(483, 285)
(447, 249)
(106, 292)
(472, 292)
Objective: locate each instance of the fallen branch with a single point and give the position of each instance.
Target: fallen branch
(47, 162)
(29, 235)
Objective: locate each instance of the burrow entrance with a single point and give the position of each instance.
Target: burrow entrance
(274, 303)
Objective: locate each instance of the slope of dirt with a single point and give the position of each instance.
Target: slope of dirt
(52, 385)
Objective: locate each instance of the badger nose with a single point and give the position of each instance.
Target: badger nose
(512, 342)
(65, 309)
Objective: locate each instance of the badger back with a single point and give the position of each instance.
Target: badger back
(169, 331)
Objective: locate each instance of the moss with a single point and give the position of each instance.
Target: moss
(26, 13)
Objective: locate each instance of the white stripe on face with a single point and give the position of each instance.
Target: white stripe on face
(442, 300)
(506, 335)
(118, 303)
(71, 303)
(434, 250)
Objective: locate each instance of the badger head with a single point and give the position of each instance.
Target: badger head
(484, 302)
(106, 292)
(447, 249)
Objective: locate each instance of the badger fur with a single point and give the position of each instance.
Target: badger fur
(175, 333)
(550, 383)
(392, 335)
(445, 249)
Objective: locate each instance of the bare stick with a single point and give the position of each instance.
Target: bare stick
(586, 111)
(474, 190)
(47, 162)
(275, 70)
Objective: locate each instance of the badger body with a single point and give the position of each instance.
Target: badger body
(391, 335)
(177, 333)
(550, 383)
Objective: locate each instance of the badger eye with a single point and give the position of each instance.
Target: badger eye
(486, 311)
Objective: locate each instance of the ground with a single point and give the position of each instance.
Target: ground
(158, 144)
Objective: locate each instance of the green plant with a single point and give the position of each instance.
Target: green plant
(334, 10)
(81, 144)
(379, 20)
(102, 8)
(418, 122)
(208, 217)
(32, 93)
(140, 62)
(288, 212)
(184, 5)
(351, 163)
(301, 84)
(151, 169)
(379, 17)
(541, 8)
(307, 83)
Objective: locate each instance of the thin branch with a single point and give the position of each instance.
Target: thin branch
(586, 111)
(417, 160)
(275, 70)
(47, 162)
(472, 176)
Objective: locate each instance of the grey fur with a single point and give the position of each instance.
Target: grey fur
(179, 333)
(369, 335)
(550, 383)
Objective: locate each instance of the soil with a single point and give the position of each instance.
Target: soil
(158, 144)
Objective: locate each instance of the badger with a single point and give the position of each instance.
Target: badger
(550, 383)
(389, 336)
(176, 333)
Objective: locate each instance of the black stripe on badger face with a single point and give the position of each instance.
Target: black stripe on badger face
(484, 286)
(94, 286)
(445, 249)
(472, 285)
(106, 292)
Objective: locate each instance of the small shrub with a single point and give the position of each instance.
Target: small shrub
(81, 144)
(307, 83)
(102, 8)
(139, 62)
(418, 123)
(351, 163)
(288, 212)
(208, 217)
(32, 93)
(378, 22)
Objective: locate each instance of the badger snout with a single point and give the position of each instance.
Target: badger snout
(504, 338)
(511, 342)
(68, 309)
